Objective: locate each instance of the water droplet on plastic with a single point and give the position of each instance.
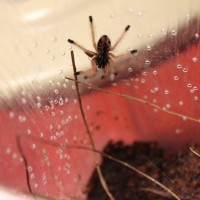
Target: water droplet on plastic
(23, 100)
(11, 114)
(155, 72)
(130, 10)
(166, 91)
(194, 59)
(56, 91)
(181, 103)
(147, 62)
(196, 98)
(176, 78)
(179, 66)
(189, 85)
(185, 70)
(196, 35)
(148, 47)
(112, 16)
(47, 51)
(130, 69)
(22, 118)
(139, 13)
(173, 32)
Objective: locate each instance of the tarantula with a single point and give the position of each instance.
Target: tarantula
(102, 58)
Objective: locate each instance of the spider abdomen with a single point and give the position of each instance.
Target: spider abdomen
(102, 60)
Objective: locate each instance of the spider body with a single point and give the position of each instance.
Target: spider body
(103, 48)
(102, 57)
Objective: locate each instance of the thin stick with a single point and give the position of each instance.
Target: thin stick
(101, 178)
(18, 140)
(138, 100)
(194, 152)
(65, 146)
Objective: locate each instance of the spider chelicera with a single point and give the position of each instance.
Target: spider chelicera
(102, 58)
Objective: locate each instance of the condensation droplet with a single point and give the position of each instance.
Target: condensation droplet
(139, 13)
(8, 150)
(181, 103)
(148, 47)
(130, 10)
(194, 59)
(63, 53)
(196, 98)
(176, 78)
(185, 70)
(61, 102)
(196, 35)
(112, 15)
(46, 107)
(155, 72)
(53, 57)
(191, 91)
(14, 156)
(30, 169)
(189, 85)
(47, 51)
(179, 66)
(130, 69)
(73, 87)
(39, 105)
(144, 73)
(178, 131)
(147, 62)
(66, 100)
(41, 134)
(56, 91)
(11, 115)
(184, 118)
(143, 80)
(168, 106)
(166, 91)
(173, 32)
(33, 146)
(195, 88)
(23, 100)
(29, 132)
(55, 39)
(22, 118)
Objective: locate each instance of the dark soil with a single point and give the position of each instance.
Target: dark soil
(179, 171)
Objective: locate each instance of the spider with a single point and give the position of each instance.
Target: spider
(102, 58)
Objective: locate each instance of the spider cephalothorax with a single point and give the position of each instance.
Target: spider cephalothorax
(102, 57)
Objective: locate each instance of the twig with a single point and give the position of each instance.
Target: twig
(101, 178)
(194, 152)
(138, 100)
(18, 141)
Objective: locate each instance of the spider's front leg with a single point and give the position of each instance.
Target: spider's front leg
(89, 73)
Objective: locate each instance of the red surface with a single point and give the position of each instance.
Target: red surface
(110, 118)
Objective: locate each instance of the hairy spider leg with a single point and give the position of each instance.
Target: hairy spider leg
(122, 55)
(89, 73)
(87, 52)
(92, 31)
(120, 38)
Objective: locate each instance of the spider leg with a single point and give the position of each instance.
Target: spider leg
(87, 52)
(120, 38)
(108, 68)
(122, 55)
(89, 73)
(92, 31)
